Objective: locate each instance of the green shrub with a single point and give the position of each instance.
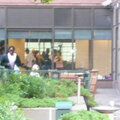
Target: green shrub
(84, 115)
(31, 102)
(46, 1)
(32, 87)
(24, 86)
(8, 111)
(88, 97)
(66, 88)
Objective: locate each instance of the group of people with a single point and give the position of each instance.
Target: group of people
(34, 57)
(44, 61)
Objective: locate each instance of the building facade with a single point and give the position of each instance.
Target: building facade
(82, 31)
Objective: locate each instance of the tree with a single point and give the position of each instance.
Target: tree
(42, 1)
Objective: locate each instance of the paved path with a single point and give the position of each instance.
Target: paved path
(78, 106)
(105, 96)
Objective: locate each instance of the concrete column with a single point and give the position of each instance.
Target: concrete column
(114, 57)
(118, 50)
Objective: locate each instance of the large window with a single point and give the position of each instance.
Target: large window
(102, 56)
(63, 43)
(82, 41)
(82, 49)
(102, 47)
(94, 52)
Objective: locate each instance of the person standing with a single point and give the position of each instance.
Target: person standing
(11, 59)
(30, 60)
(58, 61)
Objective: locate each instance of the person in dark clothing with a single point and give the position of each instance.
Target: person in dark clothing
(10, 59)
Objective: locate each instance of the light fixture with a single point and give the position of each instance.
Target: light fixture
(107, 2)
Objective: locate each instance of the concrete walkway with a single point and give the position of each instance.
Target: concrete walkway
(78, 106)
(105, 96)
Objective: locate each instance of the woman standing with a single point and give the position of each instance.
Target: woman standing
(58, 61)
(11, 59)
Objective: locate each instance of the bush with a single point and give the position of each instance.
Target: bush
(84, 115)
(88, 97)
(56, 88)
(8, 111)
(29, 91)
(32, 87)
(24, 86)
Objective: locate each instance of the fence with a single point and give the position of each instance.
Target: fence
(89, 77)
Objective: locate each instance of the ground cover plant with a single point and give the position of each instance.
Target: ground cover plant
(28, 91)
(84, 115)
(89, 98)
(9, 111)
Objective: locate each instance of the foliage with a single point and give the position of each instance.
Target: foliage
(46, 102)
(32, 87)
(24, 86)
(89, 97)
(32, 102)
(84, 115)
(8, 111)
(29, 91)
(64, 88)
(43, 1)
(46, 1)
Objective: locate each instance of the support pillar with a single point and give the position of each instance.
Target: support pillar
(114, 55)
(118, 51)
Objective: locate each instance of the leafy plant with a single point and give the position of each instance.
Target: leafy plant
(23, 89)
(88, 97)
(66, 88)
(43, 1)
(46, 1)
(31, 102)
(84, 115)
(8, 111)
(32, 87)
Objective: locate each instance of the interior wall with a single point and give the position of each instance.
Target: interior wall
(102, 56)
(82, 54)
(19, 45)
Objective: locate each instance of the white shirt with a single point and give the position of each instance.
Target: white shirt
(35, 74)
(12, 59)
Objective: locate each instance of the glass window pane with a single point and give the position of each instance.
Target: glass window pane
(102, 56)
(65, 47)
(2, 34)
(82, 34)
(63, 34)
(18, 35)
(82, 17)
(41, 35)
(103, 18)
(102, 34)
(29, 17)
(63, 17)
(30, 35)
(82, 54)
